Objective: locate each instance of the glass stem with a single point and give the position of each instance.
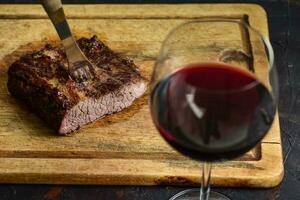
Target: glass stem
(205, 181)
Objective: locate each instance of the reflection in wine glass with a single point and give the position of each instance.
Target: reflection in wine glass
(213, 98)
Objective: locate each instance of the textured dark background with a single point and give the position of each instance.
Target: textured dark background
(284, 24)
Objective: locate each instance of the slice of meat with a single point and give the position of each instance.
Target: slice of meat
(41, 81)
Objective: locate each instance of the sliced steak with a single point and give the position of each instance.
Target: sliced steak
(41, 80)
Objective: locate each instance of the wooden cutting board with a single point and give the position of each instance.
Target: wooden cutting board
(123, 148)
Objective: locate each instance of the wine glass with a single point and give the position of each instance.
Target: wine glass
(213, 93)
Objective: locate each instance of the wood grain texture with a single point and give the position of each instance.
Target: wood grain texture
(123, 148)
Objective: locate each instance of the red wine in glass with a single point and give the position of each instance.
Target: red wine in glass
(212, 111)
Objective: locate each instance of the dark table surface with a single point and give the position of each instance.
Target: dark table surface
(284, 24)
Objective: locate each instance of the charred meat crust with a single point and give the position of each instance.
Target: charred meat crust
(40, 79)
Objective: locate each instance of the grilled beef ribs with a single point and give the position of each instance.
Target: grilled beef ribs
(41, 80)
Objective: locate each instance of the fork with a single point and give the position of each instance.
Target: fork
(79, 67)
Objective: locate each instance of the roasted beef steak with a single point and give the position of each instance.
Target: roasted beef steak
(41, 80)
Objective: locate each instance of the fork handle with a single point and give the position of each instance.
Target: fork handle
(57, 16)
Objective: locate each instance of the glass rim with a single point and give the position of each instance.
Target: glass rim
(264, 39)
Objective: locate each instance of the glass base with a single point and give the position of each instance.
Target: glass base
(194, 194)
